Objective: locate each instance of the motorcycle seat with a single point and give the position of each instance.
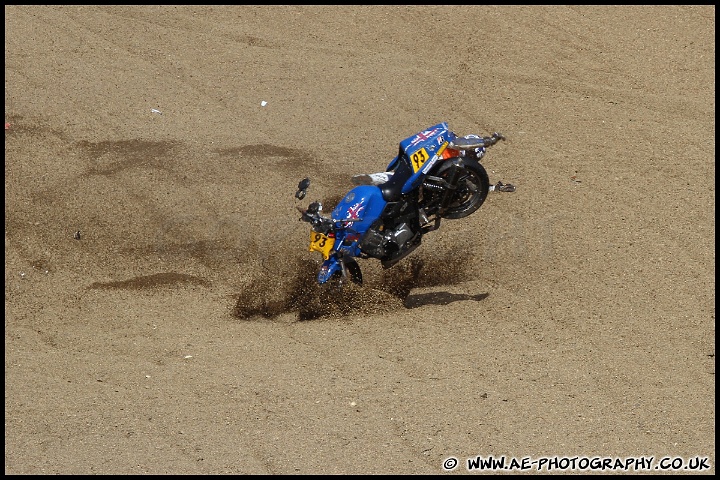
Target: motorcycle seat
(392, 189)
(390, 182)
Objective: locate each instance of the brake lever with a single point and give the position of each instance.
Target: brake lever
(318, 222)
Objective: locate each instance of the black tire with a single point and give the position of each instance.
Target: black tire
(354, 271)
(473, 187)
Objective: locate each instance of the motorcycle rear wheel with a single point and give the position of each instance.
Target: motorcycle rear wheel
(472, 189)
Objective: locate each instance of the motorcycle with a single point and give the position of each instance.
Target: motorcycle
(435, 175)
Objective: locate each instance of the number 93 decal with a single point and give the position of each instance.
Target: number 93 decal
(418, 159)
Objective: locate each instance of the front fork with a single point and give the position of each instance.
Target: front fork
(330, 267)
(343, 266)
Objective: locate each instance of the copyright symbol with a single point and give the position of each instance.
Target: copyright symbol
(450, 463)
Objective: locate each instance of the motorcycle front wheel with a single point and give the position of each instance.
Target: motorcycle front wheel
(473, 186)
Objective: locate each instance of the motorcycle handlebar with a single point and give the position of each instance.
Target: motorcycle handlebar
(319, 223)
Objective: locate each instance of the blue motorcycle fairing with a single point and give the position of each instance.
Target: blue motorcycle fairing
(328, 269)
(425, 138)
(423, 150)
(361, 207)
(431, 138)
